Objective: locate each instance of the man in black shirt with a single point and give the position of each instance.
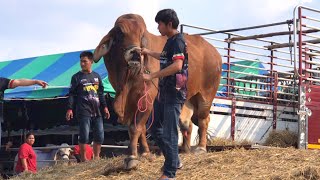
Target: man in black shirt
(6, 83)
(173, 76)
(86, 93)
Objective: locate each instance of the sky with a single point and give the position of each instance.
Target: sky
(37, 27)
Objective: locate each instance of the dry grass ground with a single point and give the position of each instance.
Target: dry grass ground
(282, 139)
(270, 163)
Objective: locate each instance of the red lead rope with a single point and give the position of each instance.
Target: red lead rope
(143, 107)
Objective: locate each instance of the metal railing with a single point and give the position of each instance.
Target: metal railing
(257, 49)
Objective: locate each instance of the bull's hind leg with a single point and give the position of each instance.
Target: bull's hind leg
(186, 125)
(186, 145)
(203, 112)
(202, 131)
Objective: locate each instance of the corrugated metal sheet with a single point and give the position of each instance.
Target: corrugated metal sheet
(56, 69)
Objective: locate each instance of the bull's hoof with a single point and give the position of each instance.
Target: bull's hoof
(131, 162)
(186, 149)
(183, 127)
(148, 156)
(200, 150)
(120, 120)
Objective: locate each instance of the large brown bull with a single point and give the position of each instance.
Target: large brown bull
(121, 51)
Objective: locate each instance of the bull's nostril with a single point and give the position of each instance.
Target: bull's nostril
(136, 57)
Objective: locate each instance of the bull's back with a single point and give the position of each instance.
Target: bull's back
(205, 65)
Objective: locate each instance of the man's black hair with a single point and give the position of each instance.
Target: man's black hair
(87, 54)
(166, 16)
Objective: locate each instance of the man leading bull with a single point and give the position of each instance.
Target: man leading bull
(172, 89)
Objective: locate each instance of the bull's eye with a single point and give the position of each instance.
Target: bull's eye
(118, 38)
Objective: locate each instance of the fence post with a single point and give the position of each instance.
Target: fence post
(275, 100)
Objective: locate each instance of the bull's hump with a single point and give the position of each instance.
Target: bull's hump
(134, 17)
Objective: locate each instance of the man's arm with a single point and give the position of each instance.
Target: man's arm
(178, 59)
(4, 84)
(26, 82)
(102, 99)
(154, 54)
(171, 69)
(100, 94)
(72, 94)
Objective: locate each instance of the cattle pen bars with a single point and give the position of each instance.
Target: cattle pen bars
(259, 88)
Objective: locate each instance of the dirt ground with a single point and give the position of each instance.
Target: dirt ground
(267, 163)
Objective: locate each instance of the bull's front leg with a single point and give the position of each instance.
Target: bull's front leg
(132, 160)
(144, 143)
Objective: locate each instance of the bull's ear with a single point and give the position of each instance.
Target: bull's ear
(144, 40)
(103, 48)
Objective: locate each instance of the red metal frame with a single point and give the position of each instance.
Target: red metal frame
(233, 117)
(306, 81)
(229, 66)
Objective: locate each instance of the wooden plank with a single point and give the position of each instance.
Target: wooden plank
(65, 130)
(220, 109)
(287, 116)
(222, 101)
(286, 125)
(254, 130)
(240, 119)
(287, 109)
(266, 110)
(70, 146)
(266, 113)
(254, 105)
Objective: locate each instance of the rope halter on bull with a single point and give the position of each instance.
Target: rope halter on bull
(140, 108)
(145, 101)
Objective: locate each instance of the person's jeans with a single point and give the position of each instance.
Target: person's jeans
(165, 133)
(85, 122)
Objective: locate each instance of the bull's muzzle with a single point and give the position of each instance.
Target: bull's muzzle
(134, 59)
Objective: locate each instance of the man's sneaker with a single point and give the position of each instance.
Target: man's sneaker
(163, 177)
